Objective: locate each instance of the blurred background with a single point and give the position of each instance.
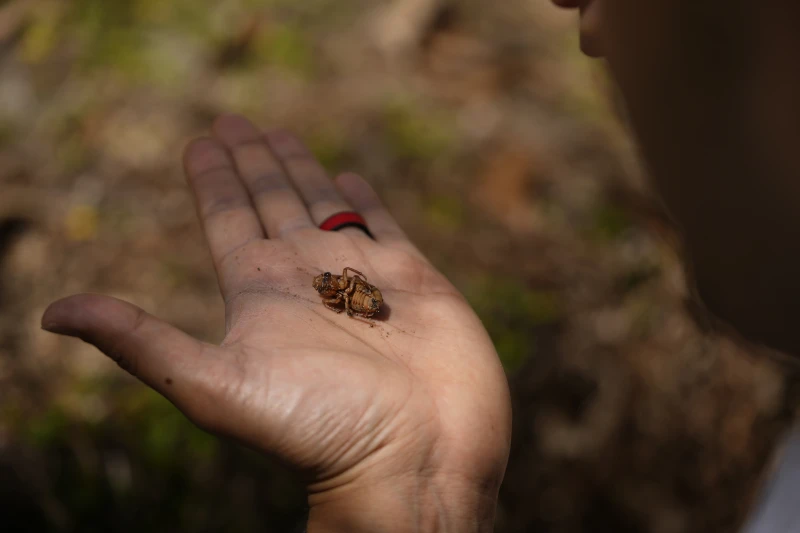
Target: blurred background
(499, 149)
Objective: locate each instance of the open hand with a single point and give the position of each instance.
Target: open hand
(398, 424)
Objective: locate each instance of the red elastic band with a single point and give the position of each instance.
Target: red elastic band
(348, 219)
(338, 220)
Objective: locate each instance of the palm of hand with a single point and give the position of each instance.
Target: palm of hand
(333, 393)
(420, 392)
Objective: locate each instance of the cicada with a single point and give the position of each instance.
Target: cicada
(360, 297)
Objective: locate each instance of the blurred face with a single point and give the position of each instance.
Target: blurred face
(711, 89)
(680, 65)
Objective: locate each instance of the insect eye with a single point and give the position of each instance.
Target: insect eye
(326, 277)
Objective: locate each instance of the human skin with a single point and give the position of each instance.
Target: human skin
(399, 425)
(711, 89)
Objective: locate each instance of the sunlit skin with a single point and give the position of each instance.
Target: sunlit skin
(407, 422)
(405, 426)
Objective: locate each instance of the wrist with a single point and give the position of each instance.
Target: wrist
(419, 505)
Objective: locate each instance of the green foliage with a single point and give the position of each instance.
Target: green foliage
(511, 313)
(111, 34)
(610, 222)
(72, 153)
(146, 455)
(165, 432)
(286, 47)
(445, 212)
(584, 99)
(41, 37)
(416, 134)
(329, 147)
(108, 33)
(44, 430)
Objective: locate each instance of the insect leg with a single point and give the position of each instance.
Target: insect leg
(329, 303)
(351, 288)
(344, 273)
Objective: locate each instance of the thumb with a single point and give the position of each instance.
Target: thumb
(168, 360)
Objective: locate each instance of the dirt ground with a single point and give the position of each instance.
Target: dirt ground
(497, 147)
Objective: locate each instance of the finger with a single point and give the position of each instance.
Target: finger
(224, 207)
(168, 360)
(278, 204)
(364, 199)
(319, 193)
